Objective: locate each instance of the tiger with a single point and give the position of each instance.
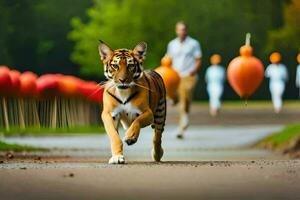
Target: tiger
(132, 97)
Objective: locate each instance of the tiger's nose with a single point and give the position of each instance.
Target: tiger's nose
(122, 80)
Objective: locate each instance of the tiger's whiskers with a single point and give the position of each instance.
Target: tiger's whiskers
(141, 86)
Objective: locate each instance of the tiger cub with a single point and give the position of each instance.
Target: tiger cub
(133, 97)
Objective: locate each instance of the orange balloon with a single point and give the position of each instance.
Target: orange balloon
(275, 57)
(166, 61)
(170, 77)
(215, 59)
(245, 74)
(68, 85)
(298, 58)
(246, 50)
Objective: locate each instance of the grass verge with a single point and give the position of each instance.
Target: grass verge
(15, 131)
(16, 147)
(287, 140)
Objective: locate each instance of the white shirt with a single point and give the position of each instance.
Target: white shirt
(183, 55)
(298, 76)
(277, 73)
(215, 74)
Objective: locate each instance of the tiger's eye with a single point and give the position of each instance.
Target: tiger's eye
(115, 66)
(130, 67)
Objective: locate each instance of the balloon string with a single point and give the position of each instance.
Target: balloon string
(248, 37)
(246, 102)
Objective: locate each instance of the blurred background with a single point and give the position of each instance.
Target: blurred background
(61, 36)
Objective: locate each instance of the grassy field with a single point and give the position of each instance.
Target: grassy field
(49, 131)
(284, 140)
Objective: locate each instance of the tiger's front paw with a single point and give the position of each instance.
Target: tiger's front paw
(130, 141)
(118, 159)
(132, 134)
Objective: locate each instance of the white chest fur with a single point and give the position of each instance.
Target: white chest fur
(128, 109)
(125, 111)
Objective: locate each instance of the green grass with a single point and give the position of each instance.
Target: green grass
(16, 147)
(49, 131)
(283, 137)
(256, 104)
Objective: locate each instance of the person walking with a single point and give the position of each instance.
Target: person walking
(298, 73)
(215, 77)
(278, 75)
(186, 58)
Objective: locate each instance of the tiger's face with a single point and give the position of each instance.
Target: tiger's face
(122, 66)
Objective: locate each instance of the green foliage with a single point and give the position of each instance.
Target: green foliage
(33, 34)
(286, 38)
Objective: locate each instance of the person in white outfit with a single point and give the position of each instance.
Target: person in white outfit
(215, 77)
(298, 73)
(278, 75)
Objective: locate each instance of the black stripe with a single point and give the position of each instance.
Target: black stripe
(158, 116)
(120, 101)
(148, 83)
(160, 110)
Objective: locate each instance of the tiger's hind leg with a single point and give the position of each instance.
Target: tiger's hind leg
(157, 151)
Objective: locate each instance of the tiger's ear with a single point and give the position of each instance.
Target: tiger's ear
(104, 51)
(140, 51)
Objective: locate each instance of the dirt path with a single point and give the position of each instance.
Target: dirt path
(142, 180)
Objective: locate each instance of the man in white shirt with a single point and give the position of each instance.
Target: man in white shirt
(186, 58)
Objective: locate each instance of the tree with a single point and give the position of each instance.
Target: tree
(122, 24)
(286, 38)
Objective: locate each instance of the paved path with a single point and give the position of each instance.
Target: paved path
(201, 143)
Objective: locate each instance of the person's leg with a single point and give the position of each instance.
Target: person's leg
(276, 93)
(186, 89)
(214, 92)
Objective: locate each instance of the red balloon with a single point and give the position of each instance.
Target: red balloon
(92, 91)
(16, 83)
(4, 68)
(48, 85)
(28, 84)
(5, 81)
(245, 74)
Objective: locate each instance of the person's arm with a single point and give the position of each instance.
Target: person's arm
(267, 72)
(197, 55)
(206, 75)
(197, 66)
